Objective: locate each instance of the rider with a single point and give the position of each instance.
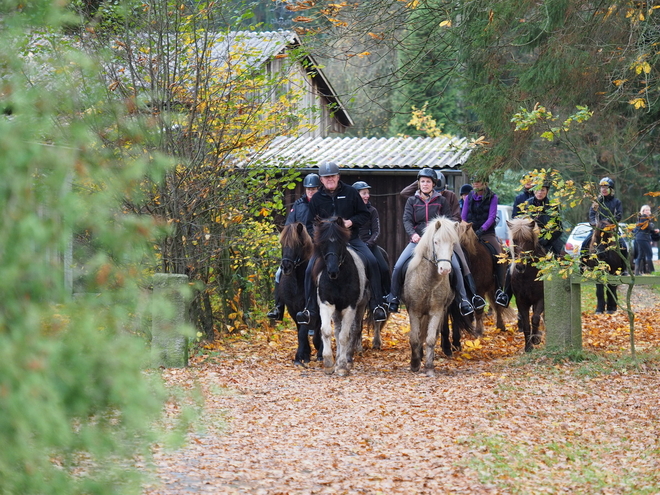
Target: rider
(299, 213)
(480, 209)
(426, 204)
(370, 231)
(546, 216)
(336, 198)
(524, 195)
(644, 232)
(465, 190)
(606, 208)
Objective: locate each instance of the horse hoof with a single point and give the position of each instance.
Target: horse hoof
(536, 339)
(342, 372)
(299, 363)
(430, 373)
(414, 368)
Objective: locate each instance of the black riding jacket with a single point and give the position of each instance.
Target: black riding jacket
(478, 211)
(346, 202)
(607, 207)
(299, 213)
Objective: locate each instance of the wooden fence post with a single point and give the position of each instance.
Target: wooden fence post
(169, 344)
(563, 322)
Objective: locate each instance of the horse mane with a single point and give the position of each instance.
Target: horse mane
(294, 235)
(469, 240)
(523, 230)
(443, 226)
(329, 229)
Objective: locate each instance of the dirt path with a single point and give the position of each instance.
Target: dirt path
(273, 428)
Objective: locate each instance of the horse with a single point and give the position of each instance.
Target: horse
(604, 244)
(482, 266)
(342, 289)
(297, 249)
(428, 295)
(526, 288)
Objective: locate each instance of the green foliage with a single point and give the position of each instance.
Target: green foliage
(77, 407)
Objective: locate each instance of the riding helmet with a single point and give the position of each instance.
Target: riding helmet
(465, 189)
(442, 182)
(606, 181)
(328, 168)
(312, 180)
(359, 185)
(428, 172)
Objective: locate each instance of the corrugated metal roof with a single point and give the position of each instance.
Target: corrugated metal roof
(252, 49)
(380, 153)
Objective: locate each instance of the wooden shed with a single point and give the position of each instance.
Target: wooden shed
(386, 164)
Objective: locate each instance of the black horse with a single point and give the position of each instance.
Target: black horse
(524, 284)
(297, 249)
(605, 246)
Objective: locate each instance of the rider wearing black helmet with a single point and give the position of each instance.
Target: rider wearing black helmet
(299, 212)
(546, 216)
(336, 198)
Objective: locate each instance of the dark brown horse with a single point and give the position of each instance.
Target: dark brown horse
(482, 266)
(604, 248)
(296, 251)
(526, 288)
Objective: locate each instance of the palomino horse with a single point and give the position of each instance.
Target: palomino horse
(428, 294)
(604, 244)
(526, 288)
(297, 249)
(482, 266)
(343, 291)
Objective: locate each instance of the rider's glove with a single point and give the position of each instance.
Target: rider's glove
(479, 233)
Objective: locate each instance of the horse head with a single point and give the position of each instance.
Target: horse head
(296, 247)
(525, 239)
(437, 244)
(331, 242)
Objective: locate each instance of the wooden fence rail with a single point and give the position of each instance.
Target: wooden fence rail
(563, 308)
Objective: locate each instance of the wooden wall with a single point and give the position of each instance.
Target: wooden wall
(386, 198)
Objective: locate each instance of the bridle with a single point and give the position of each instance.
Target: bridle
(436, 261)
(296, 263)
(332, 253)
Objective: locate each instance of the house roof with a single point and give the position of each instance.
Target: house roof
(370, 153)
(251, 49)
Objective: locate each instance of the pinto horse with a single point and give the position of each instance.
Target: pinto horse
(526, 288)
(428, 294)
(297, 249)
(604, 245)
(482, 266)
(342, 289)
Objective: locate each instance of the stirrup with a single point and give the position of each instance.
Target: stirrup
(303, 317)
(478, 302)
(501, 298)
(465, 307)
(379, 313)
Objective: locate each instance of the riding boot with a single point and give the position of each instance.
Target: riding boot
(459, 288)
(471, 288)
(501, 296)
(391, 300)
(310, 315)
(277, 313)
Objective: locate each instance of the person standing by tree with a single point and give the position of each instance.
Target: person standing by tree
(480, 209)
(606, 209)
(299, 213)
(644, 232)
(337, 199)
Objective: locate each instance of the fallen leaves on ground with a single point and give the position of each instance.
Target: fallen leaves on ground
(488, 423)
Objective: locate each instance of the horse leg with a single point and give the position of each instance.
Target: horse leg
(377, 342)
(415, 343)
(348, 318)
(318, 344)
(600, 298)
(304, 352)
(326, 335)
(445, 341)
(523, 321)
(431, 338)
(536, 323)
(479, 321)
(499, 320)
